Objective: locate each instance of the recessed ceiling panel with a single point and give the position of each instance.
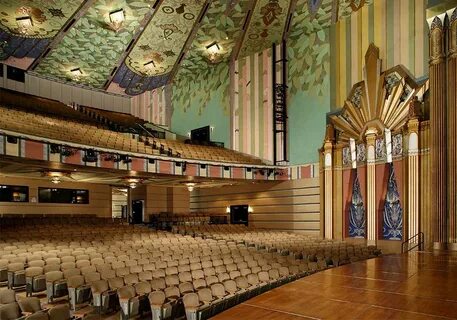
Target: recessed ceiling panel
(93, 45)
(158, 48)
(266, 26)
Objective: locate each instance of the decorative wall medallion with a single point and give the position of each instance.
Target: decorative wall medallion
(270, 12)
(393, 213)
(346, 156)
(380, 149)
(361, 153)
(313, 7)
(357, 220)
(397, 145)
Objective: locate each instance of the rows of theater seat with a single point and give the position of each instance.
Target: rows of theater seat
(299, 245)
(29, 308)
(138, 269)
(94, 136)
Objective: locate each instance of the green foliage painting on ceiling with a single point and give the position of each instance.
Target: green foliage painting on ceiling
(309, 49)
(47, 17)
(197, 89)
(266, 26)
(92, 45)
(161, 43)
(198, 78)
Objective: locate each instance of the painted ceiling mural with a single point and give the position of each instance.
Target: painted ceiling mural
(161, 42)
(47, 18)
(222, 24)
(157, 50)
(266, 26)
(100, 52)
(308, 44)
(92, 45)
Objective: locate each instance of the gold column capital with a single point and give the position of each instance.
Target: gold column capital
(370, 136)
(413, 126)
(437, 43)
(452, 43)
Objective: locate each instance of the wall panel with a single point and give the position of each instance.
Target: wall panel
(99, 199)
(289, 205)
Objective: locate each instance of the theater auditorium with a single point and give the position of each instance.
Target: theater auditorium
(228, 159)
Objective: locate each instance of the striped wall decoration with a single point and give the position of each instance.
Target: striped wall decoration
(252, 108)
(398, 28)
(153, 106)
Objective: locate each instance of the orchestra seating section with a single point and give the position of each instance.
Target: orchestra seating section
(137, 270)
(297, 245)
(30, 115)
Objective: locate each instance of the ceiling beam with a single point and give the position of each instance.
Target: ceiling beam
(246, 23)
(80, 12)
(190, 39)
(289, 18)
(136, 36)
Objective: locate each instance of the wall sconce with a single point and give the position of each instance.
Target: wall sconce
(116, 18)
(227, 209)
(250, 209)
(211, 128)
(24, 23)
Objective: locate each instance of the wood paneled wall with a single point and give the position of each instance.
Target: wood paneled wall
(99, 199)
(162, 199)
(289, 205)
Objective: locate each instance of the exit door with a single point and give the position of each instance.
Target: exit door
(137, 211)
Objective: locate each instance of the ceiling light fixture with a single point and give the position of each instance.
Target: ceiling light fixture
(24, 23)
(133, 182)
(214, 52)
(116, 18)
(56, 176)
(76, 72)
(190, 186)
(150, 64)
(55, 180)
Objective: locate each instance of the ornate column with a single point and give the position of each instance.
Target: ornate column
(372, 237)
(328, 183)
(338, 215)
(413, 170)
(438, 130)
(452, 128)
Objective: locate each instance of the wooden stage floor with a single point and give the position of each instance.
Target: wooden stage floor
(419, 285)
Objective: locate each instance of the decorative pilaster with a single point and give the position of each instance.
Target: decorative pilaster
(452, 128)
(438, 126)
(328, 183)
(372, 237)
(413, 170)
(338, 214)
